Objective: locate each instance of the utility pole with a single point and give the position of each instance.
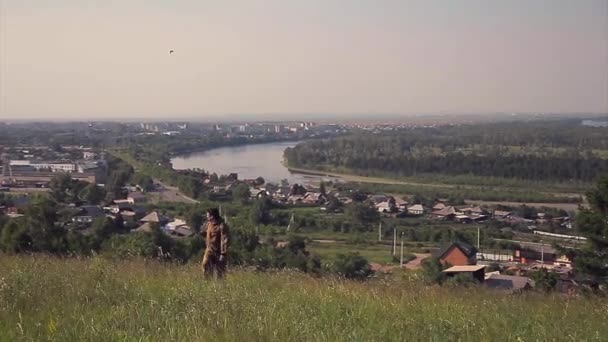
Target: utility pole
(380, 232)
(401, 260)
(542, 255)
(291, 221)
(478, 237)
(394, 241)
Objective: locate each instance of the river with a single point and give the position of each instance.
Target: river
(248, 161)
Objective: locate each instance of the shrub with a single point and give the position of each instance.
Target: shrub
(352, 266)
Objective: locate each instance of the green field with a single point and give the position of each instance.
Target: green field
(48, 299)
(373, 253)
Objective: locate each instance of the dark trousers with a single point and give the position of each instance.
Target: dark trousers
(212, 265)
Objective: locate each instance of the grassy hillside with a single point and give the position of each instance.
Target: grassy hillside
(97, 300)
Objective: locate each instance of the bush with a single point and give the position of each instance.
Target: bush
(431, 269)
(465, 280)
(352, 266)
(544, 279)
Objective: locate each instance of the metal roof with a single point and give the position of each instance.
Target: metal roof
(467, 268)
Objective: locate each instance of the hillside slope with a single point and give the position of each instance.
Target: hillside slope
(95, 299)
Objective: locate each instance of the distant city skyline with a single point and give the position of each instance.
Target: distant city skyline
(281, 59)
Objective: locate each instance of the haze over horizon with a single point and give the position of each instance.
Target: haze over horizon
(80, 60)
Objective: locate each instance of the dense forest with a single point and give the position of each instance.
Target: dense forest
(556, 151)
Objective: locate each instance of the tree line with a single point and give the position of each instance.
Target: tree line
(500, 150)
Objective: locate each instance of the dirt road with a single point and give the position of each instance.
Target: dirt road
(171, 194)
(415, 264)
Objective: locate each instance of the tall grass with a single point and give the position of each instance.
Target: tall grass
(99, 300)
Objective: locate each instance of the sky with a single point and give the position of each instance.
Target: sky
(109, 59)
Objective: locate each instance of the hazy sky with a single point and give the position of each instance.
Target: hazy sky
(82, 59)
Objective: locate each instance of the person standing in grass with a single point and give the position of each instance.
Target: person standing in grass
(217, 241)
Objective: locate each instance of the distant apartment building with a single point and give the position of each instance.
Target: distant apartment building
(52, 166)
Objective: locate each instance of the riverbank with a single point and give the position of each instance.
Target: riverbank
(513, 196)
(182, 153)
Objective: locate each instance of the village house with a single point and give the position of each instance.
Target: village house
(457, 254)
(314, 198)
(88, 214)
(401, 204)
(563, 261)
(501, 215)
(493, 280)
(377, 199)
(282, 192)
(183, 231)
(259, 193)
(461, 218)
(531, 253)
(175, 224)
(508, 283)
(345, 200)
(476, 210)
(136, 198)
(438, 206)
(149, 220)
(128, 216)
(447, 213)
(295, 199)
(120, 204)
(476, 272)
(383, 207)
(415, 210)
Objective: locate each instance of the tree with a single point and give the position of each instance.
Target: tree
(543, 279)
(117, 179)
(322, 189)
(59, 186)
(14, 238)
(392, 205)
(297, 189)
(296, 244)
(45, 234)
(260, 181)
(260, 211)
(103, 228)
(333, 204)
(145, 182)
(352, 266)
(432, 270)
(270, 187)
(362, 212)
(525, 211)
(591, 262)
(195, 220)
(241, 193)
(358, 196)
(93, 194)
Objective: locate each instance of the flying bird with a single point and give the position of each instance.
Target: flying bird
(171, 51)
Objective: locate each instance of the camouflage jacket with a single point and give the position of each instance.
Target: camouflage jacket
(217, 238)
